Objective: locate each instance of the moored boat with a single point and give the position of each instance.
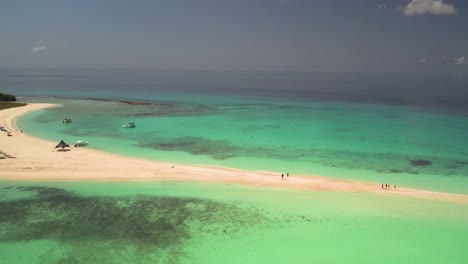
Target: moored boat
(129, 125)
(80, 143)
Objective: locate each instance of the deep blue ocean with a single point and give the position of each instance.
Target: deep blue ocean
(431, 92)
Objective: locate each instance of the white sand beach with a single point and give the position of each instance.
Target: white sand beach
(30, 158)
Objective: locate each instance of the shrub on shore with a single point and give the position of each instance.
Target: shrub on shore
(7, 97)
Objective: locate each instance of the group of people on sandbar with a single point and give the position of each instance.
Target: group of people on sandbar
(388, 186)
(282, 175)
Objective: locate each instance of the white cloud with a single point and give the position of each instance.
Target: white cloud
(38, 48)
(460, 61)
(381, 7)
(435, 7)
(423, 60)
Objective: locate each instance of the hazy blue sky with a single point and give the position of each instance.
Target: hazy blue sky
(306, 35)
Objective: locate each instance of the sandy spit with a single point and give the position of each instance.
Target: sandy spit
(30, 158)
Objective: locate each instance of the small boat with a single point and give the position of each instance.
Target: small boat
(67, 120)
(9, 134)
(129, 125)
(80, 143)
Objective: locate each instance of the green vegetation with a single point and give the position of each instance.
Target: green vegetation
(6, 105)
(7, 97)
(6, 101)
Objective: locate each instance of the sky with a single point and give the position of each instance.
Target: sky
(426, 36)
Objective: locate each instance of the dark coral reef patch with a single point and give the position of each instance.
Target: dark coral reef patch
(421, 162)
(149, 224)
(379, 162)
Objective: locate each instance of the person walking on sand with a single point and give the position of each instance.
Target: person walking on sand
(382, 186)
(287, 175)
(282, 176)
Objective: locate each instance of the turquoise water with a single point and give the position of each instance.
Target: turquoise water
(397, 129)
(374, 142)
(163, 222)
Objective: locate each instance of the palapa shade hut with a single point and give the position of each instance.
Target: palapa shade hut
(62, 145)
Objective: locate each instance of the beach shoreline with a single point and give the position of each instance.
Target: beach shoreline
(36, 160)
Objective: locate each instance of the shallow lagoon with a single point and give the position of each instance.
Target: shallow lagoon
(379, 143)
(164, 222)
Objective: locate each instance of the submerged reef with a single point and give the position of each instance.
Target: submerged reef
(378, 162)
(218, 149)
(174, 109)
(102, 228)
(421, 162)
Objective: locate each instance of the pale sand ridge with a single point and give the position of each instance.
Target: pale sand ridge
(35, 159)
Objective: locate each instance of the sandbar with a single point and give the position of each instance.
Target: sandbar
(33, 159)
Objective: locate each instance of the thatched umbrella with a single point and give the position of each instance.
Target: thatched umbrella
(62, 145)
